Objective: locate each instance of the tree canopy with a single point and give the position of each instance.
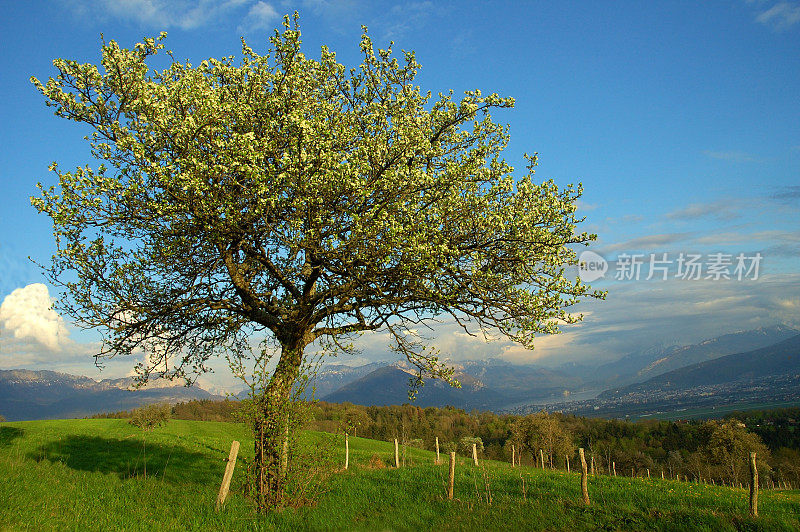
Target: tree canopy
(292, 195)
(297, 198)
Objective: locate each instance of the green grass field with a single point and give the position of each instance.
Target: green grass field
(90, 475)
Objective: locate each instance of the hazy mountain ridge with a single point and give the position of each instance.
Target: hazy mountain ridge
(778, 359)
(485, 384)
(498, 384)
(27, 394)
(641, 366)
(718, 347)
(389, 385)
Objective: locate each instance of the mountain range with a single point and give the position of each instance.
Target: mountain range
(781, 359)
(641, 366)
(496, 384)
(26, 394)
(487, 384)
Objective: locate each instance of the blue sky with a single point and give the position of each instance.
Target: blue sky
(681, 119)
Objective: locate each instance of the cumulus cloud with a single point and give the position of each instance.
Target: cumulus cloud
(27, 313)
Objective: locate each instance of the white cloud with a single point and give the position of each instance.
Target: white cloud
(27, 314)
(781, 16)
(260, 17)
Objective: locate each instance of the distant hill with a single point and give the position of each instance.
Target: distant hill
(641, 366)
(486, 384)
(724, 345)
(331, 377)
(26, 395)
(782, 358)
(389, 385)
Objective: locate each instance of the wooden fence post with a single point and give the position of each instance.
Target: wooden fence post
(452, 475)
(584, 478)
(592, 470)
(346, 451)
(396, 455)
(753, 486)
(475, 453)
(226, 479)
(567, 464)
(437, 449)
(614, 468)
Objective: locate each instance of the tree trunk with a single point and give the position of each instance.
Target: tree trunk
(272, 426)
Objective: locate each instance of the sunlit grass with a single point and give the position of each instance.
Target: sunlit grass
(90, 475)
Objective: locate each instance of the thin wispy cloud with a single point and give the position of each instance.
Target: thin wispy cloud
(638, 316)
(463, 44)
(649, 242)
(166, 14)
(780, 16)
(722, 210)
(790, 250)
(402, 18)
(788, 194)
(732, 156)
(343, 16)
(734, 237)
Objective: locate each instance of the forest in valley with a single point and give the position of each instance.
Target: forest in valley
(705, 450)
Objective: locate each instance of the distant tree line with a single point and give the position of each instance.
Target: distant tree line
(197, 410)
(714, 450)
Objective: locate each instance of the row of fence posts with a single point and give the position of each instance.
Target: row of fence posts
(516, 460)
(515, 456)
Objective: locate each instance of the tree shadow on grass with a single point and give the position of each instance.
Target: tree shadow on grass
(131, 458)
(9, 434)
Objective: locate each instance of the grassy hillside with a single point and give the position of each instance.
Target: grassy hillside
(90, 475)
